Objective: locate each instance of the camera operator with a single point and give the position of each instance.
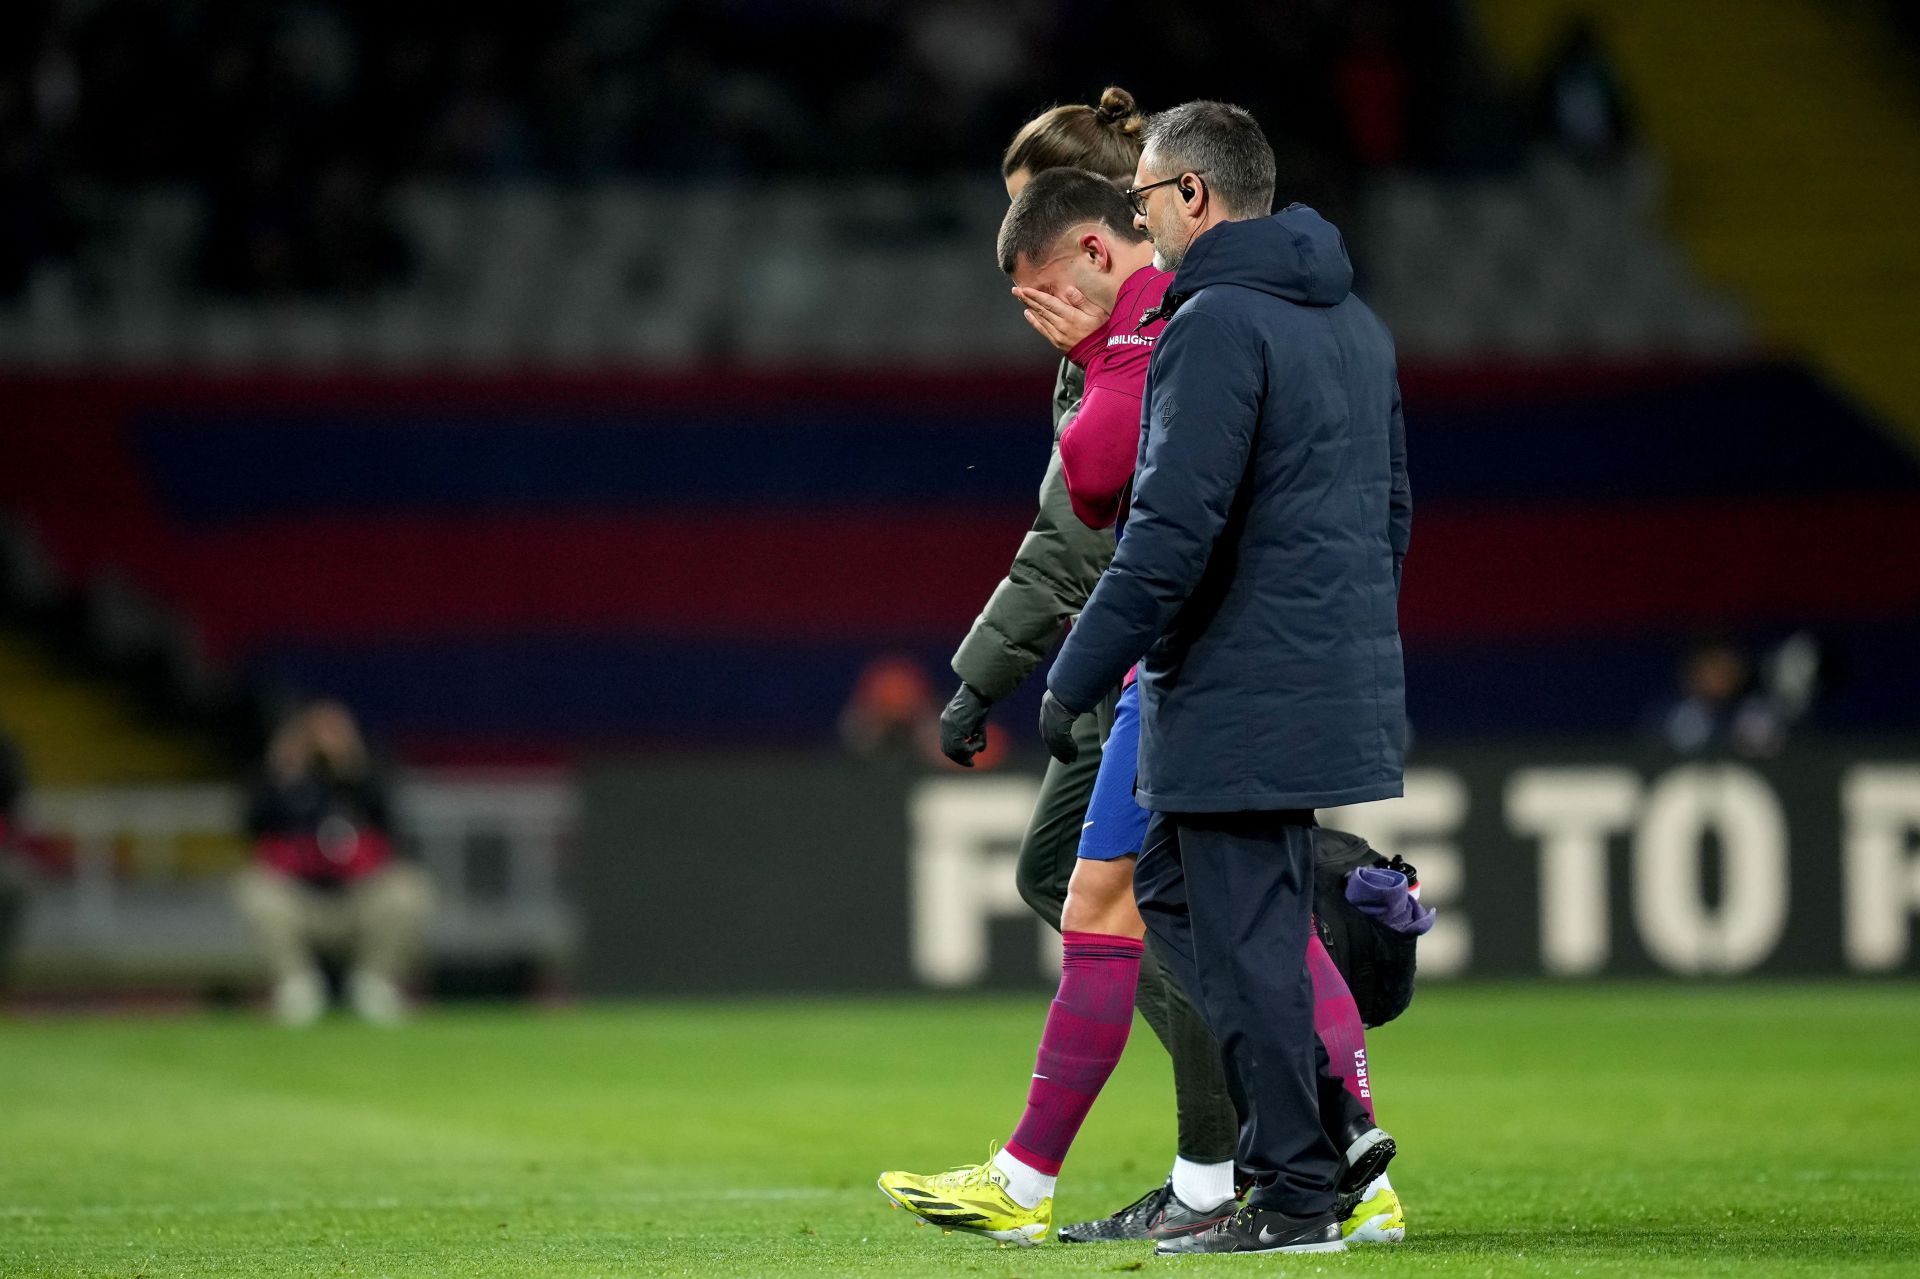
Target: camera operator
(326, 880)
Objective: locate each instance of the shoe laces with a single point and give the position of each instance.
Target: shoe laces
(1242, 1215)
(965, 1176)
(1145, 1205)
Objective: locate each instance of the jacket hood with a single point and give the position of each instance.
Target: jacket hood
(1296, 254)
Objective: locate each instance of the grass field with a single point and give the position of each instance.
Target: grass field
(1614, 1131)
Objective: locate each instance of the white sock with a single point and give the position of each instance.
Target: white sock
(1202, 1187)
(1027, 1185)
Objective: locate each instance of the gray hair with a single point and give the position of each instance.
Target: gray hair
(1224, 144)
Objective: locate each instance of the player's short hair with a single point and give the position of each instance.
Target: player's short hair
(1053, 203)
(1103, 138)
(1221, 142)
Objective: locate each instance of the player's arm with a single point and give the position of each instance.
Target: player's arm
(1097, 453)
(1205, 411)
(1100, 445)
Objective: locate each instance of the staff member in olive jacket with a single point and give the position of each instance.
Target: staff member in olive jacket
(1053, 572)
(1060, 558)
(1259, 576)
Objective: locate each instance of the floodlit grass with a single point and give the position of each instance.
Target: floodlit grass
(1742, 1130)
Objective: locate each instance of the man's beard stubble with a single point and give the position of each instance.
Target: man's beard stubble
(1167, 256)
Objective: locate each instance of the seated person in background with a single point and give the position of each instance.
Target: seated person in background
(326, 879)
(1723, 706)
(893, 714)
(13, 874)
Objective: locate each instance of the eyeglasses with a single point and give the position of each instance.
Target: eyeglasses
(1137, 196)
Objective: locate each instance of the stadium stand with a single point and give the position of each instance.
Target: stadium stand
(1558, 261)
(1794, 128)
(491, 424)
(75, 728)
(352, 190)
(1552, 261)
(519, 567)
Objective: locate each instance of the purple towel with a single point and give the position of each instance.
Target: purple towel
(1383, 894)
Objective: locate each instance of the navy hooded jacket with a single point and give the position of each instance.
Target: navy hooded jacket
(1259, 571)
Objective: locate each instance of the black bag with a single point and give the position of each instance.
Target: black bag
(1377, 962)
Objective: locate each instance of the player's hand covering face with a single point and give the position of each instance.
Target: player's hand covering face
(1065, 319)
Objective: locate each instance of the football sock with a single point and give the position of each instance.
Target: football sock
(1086, 1031)
(1027, 1184)
(1336, 1020)
(1203, 1187)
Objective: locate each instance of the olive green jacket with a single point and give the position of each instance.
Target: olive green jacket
(1053, 572)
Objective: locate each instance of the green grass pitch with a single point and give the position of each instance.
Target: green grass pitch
(1740, 1130)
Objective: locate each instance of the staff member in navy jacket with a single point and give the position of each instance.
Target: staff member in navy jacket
(1259, 575)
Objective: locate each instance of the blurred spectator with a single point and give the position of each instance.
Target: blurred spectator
(326, 881)
(1799, 672)
(1582, 107)
(894, 713)
(1722, 707)
(13, 874)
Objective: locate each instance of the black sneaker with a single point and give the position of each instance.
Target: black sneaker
(1262, 1230)
(1158, 1214)
(1367, 1153)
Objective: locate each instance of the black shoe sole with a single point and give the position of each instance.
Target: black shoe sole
(1372, 1162)
(1069, 1235)
(1333, 1245)
(1153, 1234)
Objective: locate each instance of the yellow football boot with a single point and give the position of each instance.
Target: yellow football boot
(973, 1198)
(1377, 1218)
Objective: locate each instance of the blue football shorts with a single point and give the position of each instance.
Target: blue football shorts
(1116, 825)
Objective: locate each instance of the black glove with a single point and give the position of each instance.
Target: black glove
(963, 725)
(1056, 729)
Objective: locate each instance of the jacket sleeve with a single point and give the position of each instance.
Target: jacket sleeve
(1205, 411)
(1400, 499)
(1056, 566)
